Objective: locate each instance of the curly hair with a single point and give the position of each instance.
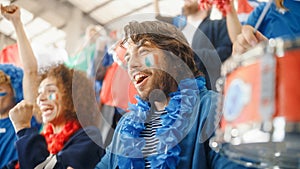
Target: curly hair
(15, 75)
(78, 96)
(165, 37)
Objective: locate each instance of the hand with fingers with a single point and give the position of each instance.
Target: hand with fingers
(11, 12)
(246, 40)
(21, 115)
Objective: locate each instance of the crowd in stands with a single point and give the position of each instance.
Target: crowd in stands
(147, 99)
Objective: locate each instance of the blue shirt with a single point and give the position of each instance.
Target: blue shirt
(277, 24)
(7, 139)
(180, 21)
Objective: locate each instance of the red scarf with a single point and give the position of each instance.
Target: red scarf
(56, 142)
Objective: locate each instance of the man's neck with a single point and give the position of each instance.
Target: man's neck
(160, 105)
(199, 16)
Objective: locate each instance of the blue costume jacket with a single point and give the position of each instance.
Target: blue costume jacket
(195, 151)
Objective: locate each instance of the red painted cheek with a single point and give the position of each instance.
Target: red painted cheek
(155, 58)
(151, 60)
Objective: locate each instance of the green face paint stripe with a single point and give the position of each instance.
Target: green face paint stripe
(147, 62)
(52, 96)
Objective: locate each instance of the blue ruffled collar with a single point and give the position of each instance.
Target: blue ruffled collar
(173, 130)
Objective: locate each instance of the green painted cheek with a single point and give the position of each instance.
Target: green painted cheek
(52, 96)
(148, 62)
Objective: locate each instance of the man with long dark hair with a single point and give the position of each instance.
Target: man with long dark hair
(174, 117)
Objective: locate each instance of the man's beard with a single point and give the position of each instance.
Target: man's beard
(190, 9)
(162, 85)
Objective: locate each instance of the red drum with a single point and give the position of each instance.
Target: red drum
(260, 122)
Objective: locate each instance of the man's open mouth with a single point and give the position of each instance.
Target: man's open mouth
(139, 78)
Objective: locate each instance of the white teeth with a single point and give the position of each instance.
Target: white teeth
(45, 108)
(137, 77)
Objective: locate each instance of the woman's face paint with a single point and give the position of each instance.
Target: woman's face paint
(2, 94)
(52, 96)
(7, 99)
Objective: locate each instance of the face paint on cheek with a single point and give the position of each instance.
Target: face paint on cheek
(2, 94)
(52, 96)
(155, 58)
(149, 60)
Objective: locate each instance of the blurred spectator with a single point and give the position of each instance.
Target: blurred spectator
(11, 93)
(94, 41)
(281, 20)
(209, 39)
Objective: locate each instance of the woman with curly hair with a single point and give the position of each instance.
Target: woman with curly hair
(70, 137)
(173, 119)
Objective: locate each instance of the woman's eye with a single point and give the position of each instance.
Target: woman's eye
(51, 91)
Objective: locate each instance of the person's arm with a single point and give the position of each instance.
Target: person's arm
(81, 151)
(28, 60)
(234, 26)
(158, 16)
(30, 79)
(156, 7)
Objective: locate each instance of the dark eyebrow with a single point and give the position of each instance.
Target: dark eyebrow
(144, 43)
